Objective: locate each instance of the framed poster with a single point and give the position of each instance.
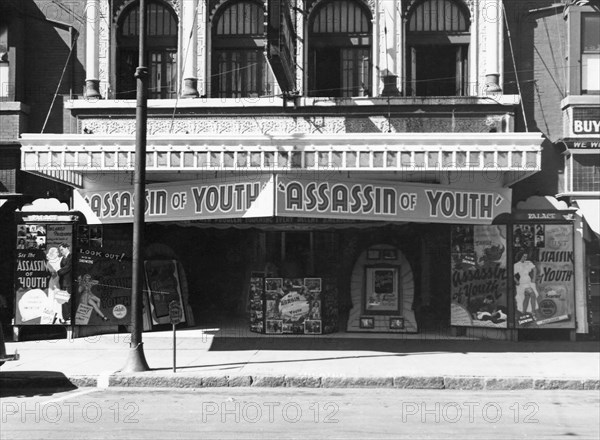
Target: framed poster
(162, 278)
(43, 273)
(543, 275)
(367, 322)
(382, 290)
(479, 276)
(373, 254)
(396, 323)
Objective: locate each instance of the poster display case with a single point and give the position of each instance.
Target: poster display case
(163, 286)
(102, 277)
(44, 267)
(516, 275)
(287, 305)
(479, 276)
(543, 275)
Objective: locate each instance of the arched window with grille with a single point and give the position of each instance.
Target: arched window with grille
(339, 49)
(161, 47)
(238, 65)
(437, 39)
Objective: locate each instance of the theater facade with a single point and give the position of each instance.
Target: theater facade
(338, 166)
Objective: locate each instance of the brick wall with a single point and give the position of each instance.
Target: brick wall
(44, 63)
(12, 123)
(539, 42)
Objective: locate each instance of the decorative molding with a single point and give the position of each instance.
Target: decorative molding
(281, 125)
(452, 152)
(370, 4)
(174, 4)
(104, 53)
(408, 5)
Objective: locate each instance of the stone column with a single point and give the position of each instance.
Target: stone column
(92, 43)
(189, 47)
(492, 19)
(389, 24)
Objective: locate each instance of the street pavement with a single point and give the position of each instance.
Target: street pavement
(235, 357)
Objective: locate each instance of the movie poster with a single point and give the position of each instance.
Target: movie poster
(162, 278)
(255, 301)
(543, 275)
(293, 305)
(479, 276)
(382, 292)
(43, 276)
(103, 280)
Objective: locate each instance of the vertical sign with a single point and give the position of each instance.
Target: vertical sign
(543, 275)
(479, 276)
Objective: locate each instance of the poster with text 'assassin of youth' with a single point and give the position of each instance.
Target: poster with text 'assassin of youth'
(479, 276)
(43, 273)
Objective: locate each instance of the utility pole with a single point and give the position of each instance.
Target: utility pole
(136, 360)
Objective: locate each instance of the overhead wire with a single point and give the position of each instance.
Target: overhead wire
(512, 54)
(59, 82)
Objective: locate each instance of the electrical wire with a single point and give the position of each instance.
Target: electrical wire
(60, 82)
(512, 54)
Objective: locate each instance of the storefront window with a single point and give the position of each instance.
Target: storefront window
(590, 54)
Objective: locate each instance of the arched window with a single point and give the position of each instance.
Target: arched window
(339, 50)
(437, 40)
(239, 68)
(161, 47)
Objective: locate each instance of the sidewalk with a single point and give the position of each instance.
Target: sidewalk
(235, 357)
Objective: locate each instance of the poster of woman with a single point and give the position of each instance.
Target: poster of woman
(543, 275)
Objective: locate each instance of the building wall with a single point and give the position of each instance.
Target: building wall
(538, 34)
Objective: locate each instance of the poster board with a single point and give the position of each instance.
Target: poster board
(479, 276)
(256, 304)
(543, 275)
(103, 278)
(382, 290)
(44, 268)
(163, 286)
(293, 305)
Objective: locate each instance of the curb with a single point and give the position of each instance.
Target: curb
(143, 380)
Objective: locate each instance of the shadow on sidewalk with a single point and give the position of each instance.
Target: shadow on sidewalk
(33, 383)
(408, 346)
(234, 365)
